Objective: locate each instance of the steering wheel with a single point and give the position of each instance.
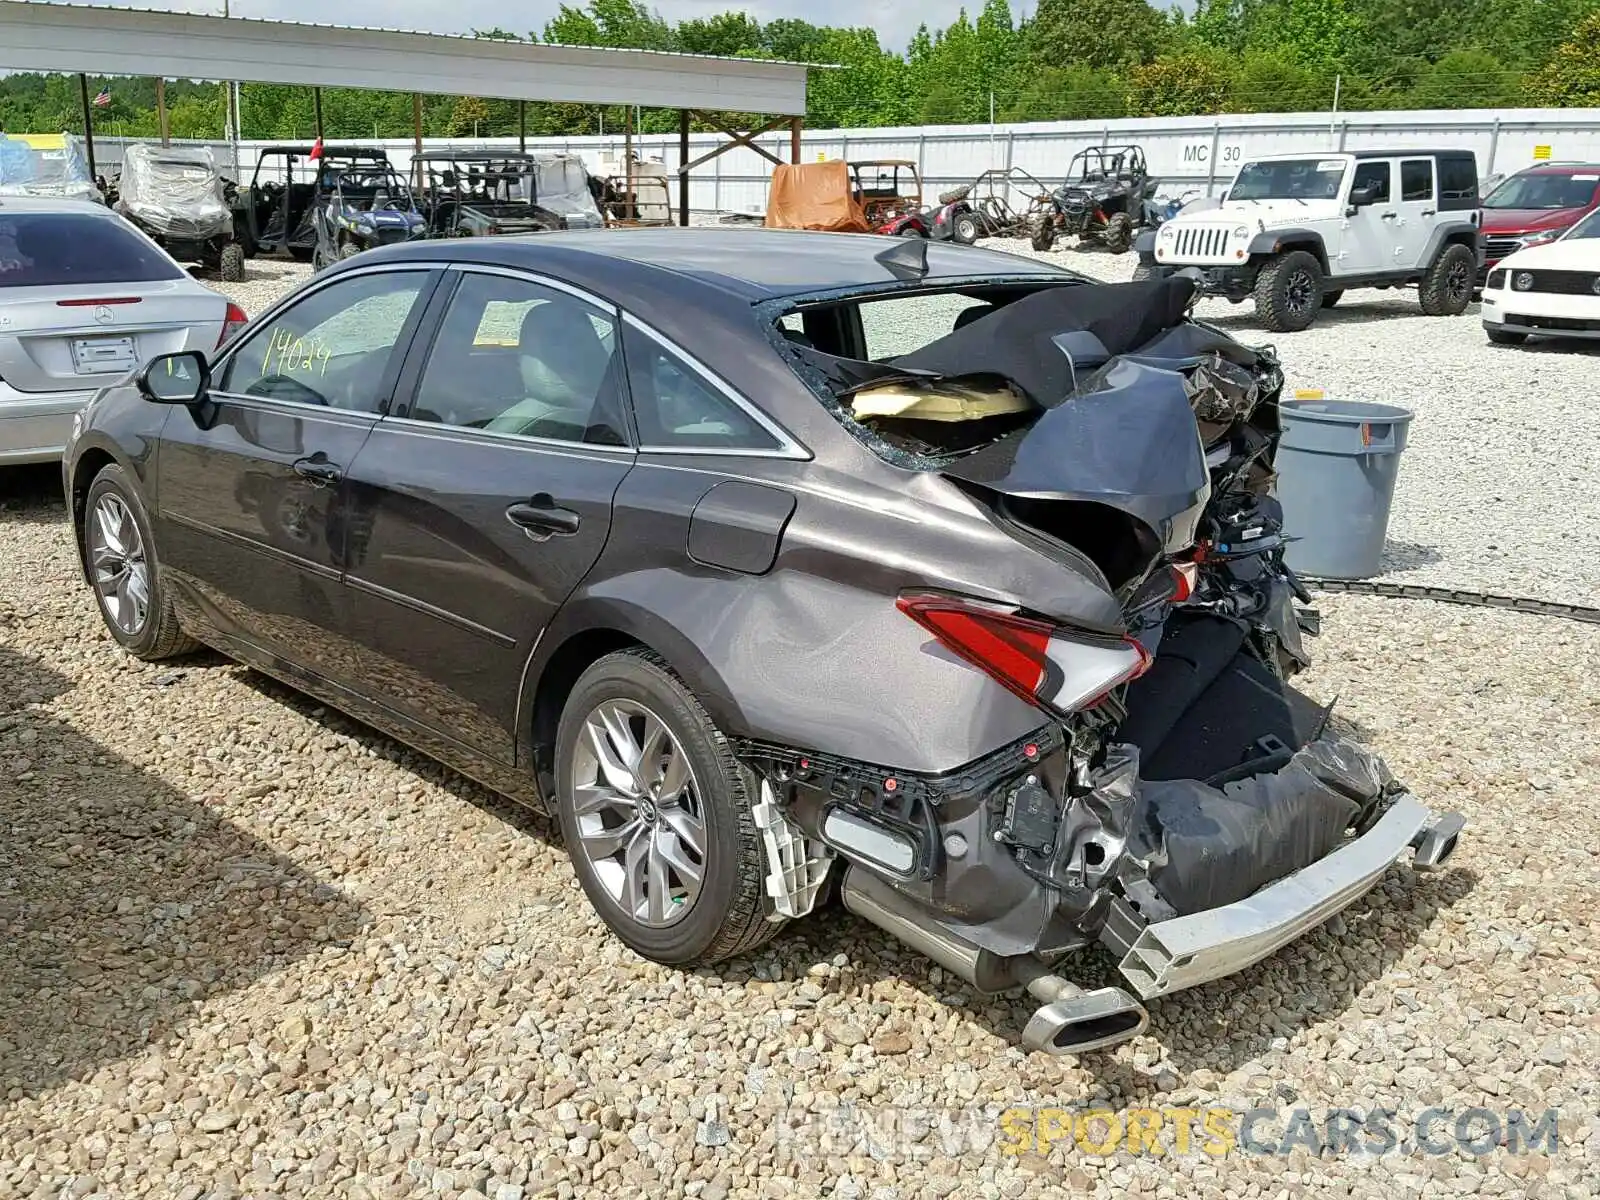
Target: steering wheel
(287, 387)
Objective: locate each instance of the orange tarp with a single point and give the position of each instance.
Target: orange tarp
(814, 196)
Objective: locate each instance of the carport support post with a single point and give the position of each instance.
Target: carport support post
(316, 102)
(522, 126)
(161, 112)
(416, 134)
(683, 166)
(88, 122)
(794, 138)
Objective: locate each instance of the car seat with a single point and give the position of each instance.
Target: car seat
(563, 365)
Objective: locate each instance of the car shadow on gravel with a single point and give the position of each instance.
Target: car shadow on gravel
(124, 903)
(1350, 312)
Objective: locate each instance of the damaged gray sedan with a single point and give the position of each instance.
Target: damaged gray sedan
(780, 562)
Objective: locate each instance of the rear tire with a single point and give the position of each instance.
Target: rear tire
(1289, 292)
(1041, 232)
(1118, 233)
(231, 266)
(964, 230)
(1446, 290)
(1505, 337)
(638, 881)
(124, 572)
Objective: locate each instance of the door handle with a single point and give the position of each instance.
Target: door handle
(1389, 216)
(318, 469)
(541, 517)
(1428, 212)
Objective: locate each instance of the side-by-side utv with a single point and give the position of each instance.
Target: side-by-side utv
(177, 196)
(482, 193)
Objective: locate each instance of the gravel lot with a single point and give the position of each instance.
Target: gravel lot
(252, 948)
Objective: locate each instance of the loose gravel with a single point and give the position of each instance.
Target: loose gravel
(250, 948)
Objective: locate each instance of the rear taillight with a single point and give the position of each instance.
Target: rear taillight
(234, 321)
(1047, 665)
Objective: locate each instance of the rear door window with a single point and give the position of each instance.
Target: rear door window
(1458, 178)
(898, 325)
(63, 249)
(1416, 179)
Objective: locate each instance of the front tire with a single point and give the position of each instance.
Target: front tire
(1289, 292)
(656, 815)
(1041, 232)
(1118, 233)
(231, 265)
(124, 572)
(965, 229)
(348, 251)
(1144, 271)
(1446, 290)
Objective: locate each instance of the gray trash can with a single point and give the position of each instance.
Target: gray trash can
(1337, 465)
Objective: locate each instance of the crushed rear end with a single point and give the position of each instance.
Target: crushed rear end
(1180, 803)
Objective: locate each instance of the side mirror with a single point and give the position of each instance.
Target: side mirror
(174, 378)
(1362, 196)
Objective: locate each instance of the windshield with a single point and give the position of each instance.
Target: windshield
(62, 249)
(1289, 179)
(1587, 227)
(490, 181)
(370, 188)
(1545, 191)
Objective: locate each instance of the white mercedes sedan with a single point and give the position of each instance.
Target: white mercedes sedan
(85, 299)
(1550, 290)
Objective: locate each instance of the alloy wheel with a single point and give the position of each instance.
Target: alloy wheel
(1458, 284)
(1297, 293)
(118, 565)
(640, 818)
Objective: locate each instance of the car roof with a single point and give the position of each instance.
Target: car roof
(1392, 152)
(53, 204)
(1561, 168)
(328, 151)
(755, 264)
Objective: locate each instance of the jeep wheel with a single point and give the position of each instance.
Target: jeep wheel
(1041, 233)
(1289, 292)
(1446, 289)
(1144, 271)
(1118, 233)
(1329, 299)
(1505, 337)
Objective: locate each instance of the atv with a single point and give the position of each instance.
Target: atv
(1103, 198)
(359, 207)
(482, 194)
(176, 196)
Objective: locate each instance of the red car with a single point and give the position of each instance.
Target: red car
(1536, 205)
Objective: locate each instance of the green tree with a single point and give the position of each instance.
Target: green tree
(1192, 81)
(1465, 79)
(1267, 82)
(1571, 76)
(1096, 33)
(468, 116)
(1068, 94)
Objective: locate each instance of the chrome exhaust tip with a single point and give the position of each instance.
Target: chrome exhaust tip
(1436, 841)
(1073, 1021)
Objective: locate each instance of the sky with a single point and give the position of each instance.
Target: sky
(894, 20)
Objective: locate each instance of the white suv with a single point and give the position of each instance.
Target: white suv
(1295, 230)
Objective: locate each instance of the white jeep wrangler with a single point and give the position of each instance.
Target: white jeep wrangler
(1295, 230)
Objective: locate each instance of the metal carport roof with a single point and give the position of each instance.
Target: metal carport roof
(125, 41)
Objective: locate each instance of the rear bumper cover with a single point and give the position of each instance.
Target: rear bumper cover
(35, 426)
(1168, 956)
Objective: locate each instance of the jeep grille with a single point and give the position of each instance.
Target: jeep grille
(1201, 241)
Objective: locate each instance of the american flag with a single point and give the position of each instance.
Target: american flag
(102, 98)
